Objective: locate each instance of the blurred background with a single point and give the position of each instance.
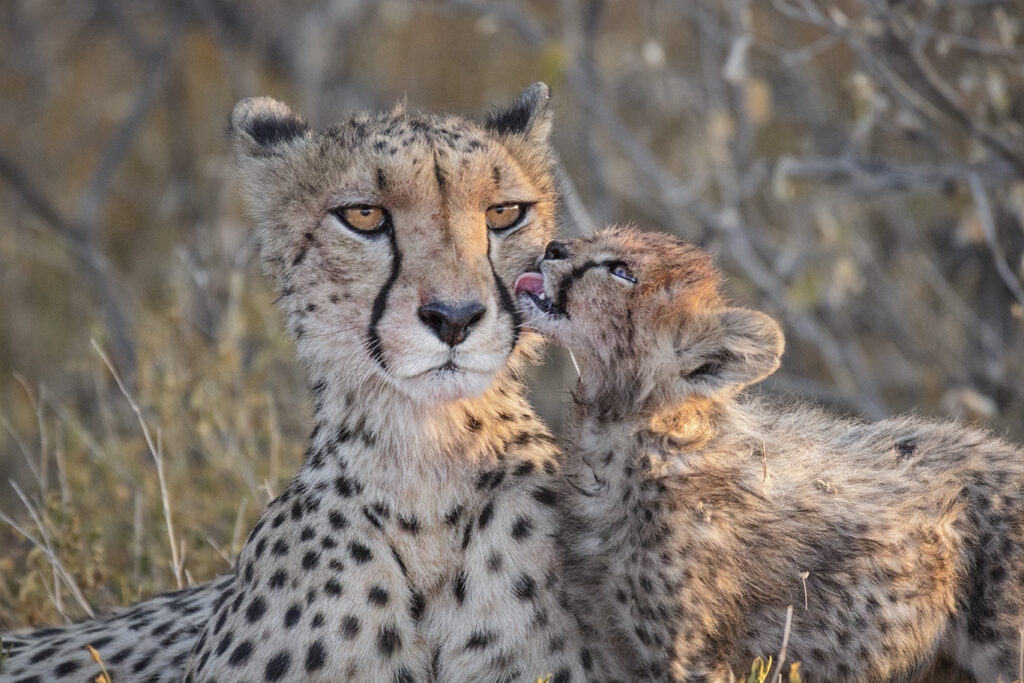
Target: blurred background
(854, 165)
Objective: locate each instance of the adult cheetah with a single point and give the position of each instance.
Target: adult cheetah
(417, 541)
(894, 542)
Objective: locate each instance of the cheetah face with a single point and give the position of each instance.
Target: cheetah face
(392, 237)
(643, 310)
(593, 294)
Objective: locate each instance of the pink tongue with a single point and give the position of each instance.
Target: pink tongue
(529, 282)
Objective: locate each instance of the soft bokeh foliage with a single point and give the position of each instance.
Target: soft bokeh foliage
(854, 165)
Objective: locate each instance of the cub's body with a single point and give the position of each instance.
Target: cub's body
(704, 516)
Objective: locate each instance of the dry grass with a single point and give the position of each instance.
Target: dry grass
(125, 493)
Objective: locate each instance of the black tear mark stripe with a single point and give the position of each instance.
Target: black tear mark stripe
(380, 304)
(562, 300)
(507, 302)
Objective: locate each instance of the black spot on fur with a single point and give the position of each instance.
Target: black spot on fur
(378, 596)
(316, 656)
(337, 519)
(65, 668)
(277, 579)
(346, 487)
(522, 528)
(486, 514)
(388, 641)
(562, 676)
(905, 449)
(240, 655)
(494, 562)
(409, 524)
(480, 639)
(359, 552)
(254, 612)
(278, 666)
(372, 518)
(349, 627)
(452, 518)
(545, 496)
(459, 587)
(524, 588)
(416, 605)
(523, 468)
(310, 560)
(291, 616)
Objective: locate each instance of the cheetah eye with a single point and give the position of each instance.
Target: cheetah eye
(501, 218)
(621, 271)
(367, 220)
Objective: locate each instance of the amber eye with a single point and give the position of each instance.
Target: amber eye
(362, 218)
(505, 216)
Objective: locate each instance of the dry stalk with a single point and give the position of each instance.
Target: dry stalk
(785, 644)
(54, 561)
(155, 449)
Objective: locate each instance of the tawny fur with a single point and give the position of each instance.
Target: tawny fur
(417, 542)
(706, 514)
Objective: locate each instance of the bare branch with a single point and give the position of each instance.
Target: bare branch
(988, 224)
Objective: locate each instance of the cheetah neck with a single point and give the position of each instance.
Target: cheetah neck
(614, 442)
(633, 392)
(397, 449)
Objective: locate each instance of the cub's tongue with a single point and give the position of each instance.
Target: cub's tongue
(529, 282)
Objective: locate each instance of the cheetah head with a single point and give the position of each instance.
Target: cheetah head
(644, 311)
(392, 237)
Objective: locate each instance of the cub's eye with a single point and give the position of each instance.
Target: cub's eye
(622, 271)
(365, 219)
(501, 217)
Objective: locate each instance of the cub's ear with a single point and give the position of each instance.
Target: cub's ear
(262, 126)
(726, 350)
(528, 117)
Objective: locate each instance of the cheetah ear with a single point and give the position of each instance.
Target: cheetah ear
(262, 126)
(528, 117)
(726, 350)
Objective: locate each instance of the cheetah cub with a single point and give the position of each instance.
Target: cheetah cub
(705, 514)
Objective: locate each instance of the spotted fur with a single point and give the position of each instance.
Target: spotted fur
(417, 541)
(709, 513)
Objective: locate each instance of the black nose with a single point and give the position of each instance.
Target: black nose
(451, 322)
(556, 251)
